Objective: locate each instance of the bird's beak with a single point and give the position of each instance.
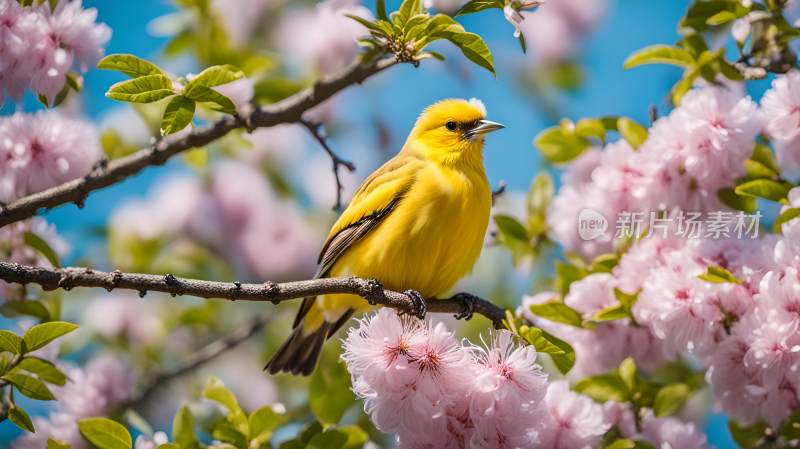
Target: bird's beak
(485, 126)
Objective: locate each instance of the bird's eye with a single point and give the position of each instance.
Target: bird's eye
(451, 125)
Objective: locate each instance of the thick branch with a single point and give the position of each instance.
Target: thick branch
(194, 361)
(289, 110)
(371, 290)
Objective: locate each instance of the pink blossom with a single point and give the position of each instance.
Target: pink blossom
(127, 317)
(572, 421)
(506, 398)
(557, 29)
(721, 127)
(91, 391)
(42, 150)
(412, 377)
(780, 107)
(241, 19)
(666, 432)
(432, 391)
(40, 45)
(329, 37)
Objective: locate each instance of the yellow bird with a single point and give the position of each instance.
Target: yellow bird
(416, 224)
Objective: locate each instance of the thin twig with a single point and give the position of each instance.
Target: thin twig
(369, 289)
(194, 361)
(316, 130)
(289, 110)
(501, 188)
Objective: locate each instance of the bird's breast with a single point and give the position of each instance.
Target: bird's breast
(432, 238)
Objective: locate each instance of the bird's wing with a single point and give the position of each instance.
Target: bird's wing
(377, 196)
(374, 200)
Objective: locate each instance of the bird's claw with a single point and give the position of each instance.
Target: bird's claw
(468, 302)
(420, 308)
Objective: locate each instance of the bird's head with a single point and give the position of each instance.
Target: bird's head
(451, 130)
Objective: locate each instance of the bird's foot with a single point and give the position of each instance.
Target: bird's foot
(468, 302)
(420, 307)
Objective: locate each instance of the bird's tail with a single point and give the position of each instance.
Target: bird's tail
(300, 352)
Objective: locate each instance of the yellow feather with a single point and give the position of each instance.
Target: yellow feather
(433, 234)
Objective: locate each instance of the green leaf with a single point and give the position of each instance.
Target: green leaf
(589, 127)
(764, 188)
(55, 444)
(540, 194)
(105, 433)
(748, 437)
(202, 94)
(566, 274)
(604, 387)
(763, 155)
(611, 313)
(329, 392)
(216, 391)
(408, 9)
(29, 386)
(624, 443)
(263, 422)
(21, 419)
(558, 312)
(474, 6)
(670, 399)
(511, 228)
(130, 65)
(183, 429)
(380, 10)
(43, 369)
(721, 18)
(145, 89)
(627, 372)
(559, 146)
(790, 429)
(11, 342)
(368, 24)
(27, 307)
(215, 76)
(659, 54)
(634, 133)
(42, 247)
(626, 299)
(177, 115)
(718, 275)
(472, 46)
(42, 334)
(224, 430)
(560, 351)
(786, 216)
(743, 203)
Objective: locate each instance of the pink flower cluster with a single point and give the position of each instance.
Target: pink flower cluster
(91, 391)
(39, 45)
(745, 334)
(696, 150)
(42, 150)
(235, 213)
(420, 383)
(781, 108)
(617, 338)
(557, 29)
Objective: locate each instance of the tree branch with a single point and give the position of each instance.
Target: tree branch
(289, 110)
(314, 129)
(371, 290)
(194, 361)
